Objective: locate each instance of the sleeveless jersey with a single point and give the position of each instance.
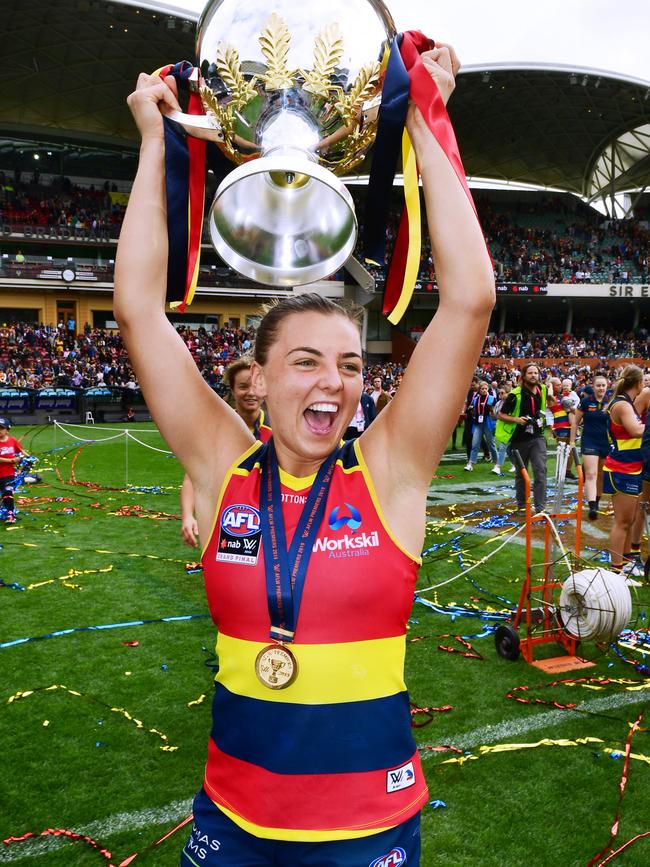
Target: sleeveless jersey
(560, 416)
(331, 756)
(625, 456)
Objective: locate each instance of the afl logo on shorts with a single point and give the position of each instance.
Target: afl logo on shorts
(240, 520)
(240, 534)
(394, 858)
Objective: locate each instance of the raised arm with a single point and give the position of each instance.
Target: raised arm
(190, 416)
(418, 422)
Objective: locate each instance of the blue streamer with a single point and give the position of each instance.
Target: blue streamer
(99, 627)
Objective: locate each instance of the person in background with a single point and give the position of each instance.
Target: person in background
(561, 408)
(380, 397)
(642, 407)
(624, 466)
(11, 452)
(520, 425)
(502, 448)
(362, 419)
(484, 423)
(248, 407)
(594, 444)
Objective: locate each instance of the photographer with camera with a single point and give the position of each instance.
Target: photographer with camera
(521, 424)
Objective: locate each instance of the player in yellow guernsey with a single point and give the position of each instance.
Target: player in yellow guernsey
(311, 759)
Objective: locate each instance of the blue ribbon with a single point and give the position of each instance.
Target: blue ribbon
(286, 570)
(177, 181)
(386, 153)
(101, 626)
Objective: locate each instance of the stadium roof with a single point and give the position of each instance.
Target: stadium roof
(70, 65)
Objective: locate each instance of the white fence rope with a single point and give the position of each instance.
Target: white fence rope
(122, 433)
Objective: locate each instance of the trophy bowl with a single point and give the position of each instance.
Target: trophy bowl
(291, 94)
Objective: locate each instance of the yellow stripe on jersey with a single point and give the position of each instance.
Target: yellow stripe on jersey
(304, 836)
(327, 673)
(628, 445)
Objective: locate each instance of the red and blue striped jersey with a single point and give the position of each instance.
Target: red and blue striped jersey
(625, 456)
(560, 415)
(332, 755)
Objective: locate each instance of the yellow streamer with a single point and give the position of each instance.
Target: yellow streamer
(72, 573)
(118, 710)
(412, 203)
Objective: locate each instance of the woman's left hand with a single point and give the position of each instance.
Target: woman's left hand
(442, 64)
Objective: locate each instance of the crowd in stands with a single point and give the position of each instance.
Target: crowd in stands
(550, 239)
(35, 357)
(42, 356)
(61, 203)
(591, 344)
(545, 239)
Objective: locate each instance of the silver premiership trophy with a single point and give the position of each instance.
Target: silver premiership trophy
(291, 95)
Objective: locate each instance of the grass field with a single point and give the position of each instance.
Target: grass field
(88, 718)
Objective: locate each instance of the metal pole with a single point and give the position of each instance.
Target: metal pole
(126, 459)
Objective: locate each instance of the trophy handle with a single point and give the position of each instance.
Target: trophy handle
(198, 125)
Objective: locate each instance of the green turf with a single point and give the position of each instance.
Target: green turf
(551, 805)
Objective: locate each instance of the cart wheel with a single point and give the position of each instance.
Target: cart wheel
(506, 640)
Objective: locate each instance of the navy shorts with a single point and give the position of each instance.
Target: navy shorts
(592, 448)
(562, 433)
(216, 841)
(645, 473)
(621, 483)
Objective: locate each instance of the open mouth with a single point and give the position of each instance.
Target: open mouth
(320, 417)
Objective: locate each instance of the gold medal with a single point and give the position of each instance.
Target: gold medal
(276, 666)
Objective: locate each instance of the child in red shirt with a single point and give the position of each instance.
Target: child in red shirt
(11, 452)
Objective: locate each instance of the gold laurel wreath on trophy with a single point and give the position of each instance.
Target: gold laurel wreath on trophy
(354, 108)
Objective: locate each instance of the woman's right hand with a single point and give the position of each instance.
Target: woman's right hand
(152, 97)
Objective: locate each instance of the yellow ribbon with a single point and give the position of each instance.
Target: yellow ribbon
(412, 203)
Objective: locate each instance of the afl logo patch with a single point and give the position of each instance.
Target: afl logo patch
(240, 520)
(394, 858)
(240, 534)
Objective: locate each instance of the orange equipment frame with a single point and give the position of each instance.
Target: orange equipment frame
(541, 623)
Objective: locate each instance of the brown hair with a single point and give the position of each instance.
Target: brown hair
(242, 363)
(525, 367)
(276, 311)
(629, 377)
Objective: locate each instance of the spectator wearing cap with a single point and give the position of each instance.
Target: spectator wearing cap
(11, 452)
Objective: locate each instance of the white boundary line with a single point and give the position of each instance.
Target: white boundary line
(501, 732)
(100, 830)
(177, 810)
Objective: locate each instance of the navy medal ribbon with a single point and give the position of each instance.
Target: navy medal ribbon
(286, 570)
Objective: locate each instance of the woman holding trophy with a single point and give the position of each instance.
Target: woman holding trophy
(311, 548)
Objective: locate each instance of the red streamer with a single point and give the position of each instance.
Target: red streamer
(83, 838)
(427, 711)
(621, 787)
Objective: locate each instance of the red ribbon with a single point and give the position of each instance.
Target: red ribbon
(424, 92)
(621, 787)
(73, 835)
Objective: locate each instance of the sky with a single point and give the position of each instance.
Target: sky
(598, 34)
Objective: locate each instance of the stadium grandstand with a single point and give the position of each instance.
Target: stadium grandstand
(558, 158)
